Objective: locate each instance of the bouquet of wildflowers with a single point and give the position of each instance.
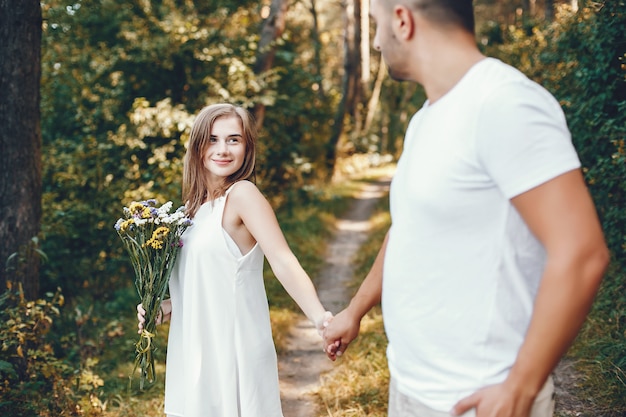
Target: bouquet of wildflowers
(152, 237)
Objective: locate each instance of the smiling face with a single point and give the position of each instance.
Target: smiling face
(226, 149)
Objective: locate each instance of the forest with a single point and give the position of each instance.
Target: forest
(97, 98)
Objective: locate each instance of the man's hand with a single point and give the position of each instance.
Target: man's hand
(496, 401)
(342, 330)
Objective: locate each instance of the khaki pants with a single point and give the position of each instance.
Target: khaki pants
(402, 406)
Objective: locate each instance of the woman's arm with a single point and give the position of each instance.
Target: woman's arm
(246, 202)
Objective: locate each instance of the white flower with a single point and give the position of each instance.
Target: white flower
(184, 221)
(174, 217)
(164, 210)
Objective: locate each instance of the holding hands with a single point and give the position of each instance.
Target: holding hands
(321, 323)
(339, 333)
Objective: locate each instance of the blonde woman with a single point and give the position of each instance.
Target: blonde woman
(221, 360)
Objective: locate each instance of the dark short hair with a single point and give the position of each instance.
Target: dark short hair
(457, 12)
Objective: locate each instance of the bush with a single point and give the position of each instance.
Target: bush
(38, 376)
(33, 379)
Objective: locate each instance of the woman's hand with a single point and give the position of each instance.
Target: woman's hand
(165, 314)
(322, 322)
(141, 318)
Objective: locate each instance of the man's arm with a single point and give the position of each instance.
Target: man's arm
(562, 216)
(344, 327)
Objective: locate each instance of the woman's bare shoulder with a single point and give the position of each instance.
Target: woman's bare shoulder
(244, 187)
(245, 194)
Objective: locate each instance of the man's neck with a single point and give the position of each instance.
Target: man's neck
(448, 59)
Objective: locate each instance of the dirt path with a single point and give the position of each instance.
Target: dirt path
(301, 366)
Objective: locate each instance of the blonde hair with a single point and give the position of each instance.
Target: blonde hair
(196, 189)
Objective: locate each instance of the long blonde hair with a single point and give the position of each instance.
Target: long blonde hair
(196, 189)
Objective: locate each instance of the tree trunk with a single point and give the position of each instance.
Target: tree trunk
(525, 10)
(342, 107)
(20, 142)
(351, 84)
(372, 105)
(273, 28)
(549, 10)
(317, 48)
(365, 41)
(353, 63)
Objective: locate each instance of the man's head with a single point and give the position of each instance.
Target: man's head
(398, 24)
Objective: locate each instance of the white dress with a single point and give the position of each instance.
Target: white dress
(221, 359)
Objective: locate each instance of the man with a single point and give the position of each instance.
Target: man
(495, 252)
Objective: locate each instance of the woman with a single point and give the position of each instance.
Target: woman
(221, 359)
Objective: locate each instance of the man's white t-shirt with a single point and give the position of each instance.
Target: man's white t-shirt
(462, 268)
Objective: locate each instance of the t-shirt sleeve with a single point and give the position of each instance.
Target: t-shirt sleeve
(522, 137)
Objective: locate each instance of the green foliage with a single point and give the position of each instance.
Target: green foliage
(595, 96)
(32, 378)
(120, 84)
(298, 123)
(602, 344)
(104, 143)
(51, 357)
(600, 123)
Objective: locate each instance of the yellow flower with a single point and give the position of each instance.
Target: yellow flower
(126, 224)
(139, 210)
(156, 241)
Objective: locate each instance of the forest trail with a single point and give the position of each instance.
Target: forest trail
(301, 366)
(304, 361)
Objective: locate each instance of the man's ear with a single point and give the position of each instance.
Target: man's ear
(403, 22)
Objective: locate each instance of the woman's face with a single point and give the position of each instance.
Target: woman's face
(226, 151)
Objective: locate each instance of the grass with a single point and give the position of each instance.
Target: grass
(600, 349)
